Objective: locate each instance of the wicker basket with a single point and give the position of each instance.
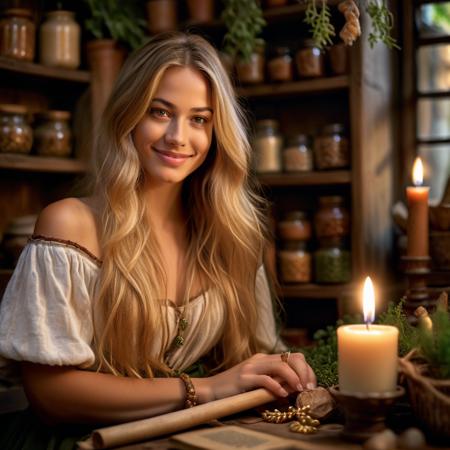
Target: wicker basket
(429, 397)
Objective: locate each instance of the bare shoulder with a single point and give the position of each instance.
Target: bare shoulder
(70, 219)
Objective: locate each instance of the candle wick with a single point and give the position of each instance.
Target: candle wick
(367, 326)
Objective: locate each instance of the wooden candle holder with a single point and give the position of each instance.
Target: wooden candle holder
(416, 269)
(365, 414)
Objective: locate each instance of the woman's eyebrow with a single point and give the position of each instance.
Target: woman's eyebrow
(172, 106)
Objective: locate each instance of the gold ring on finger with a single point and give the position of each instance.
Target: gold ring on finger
(285, 356)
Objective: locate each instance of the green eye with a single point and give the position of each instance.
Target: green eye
(199, 120)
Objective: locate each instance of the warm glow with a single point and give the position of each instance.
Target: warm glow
(368, 301)
(417, 172)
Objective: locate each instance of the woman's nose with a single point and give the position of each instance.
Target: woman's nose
(175, 134)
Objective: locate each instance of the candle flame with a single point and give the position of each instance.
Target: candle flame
(417, 172)
(368, 301)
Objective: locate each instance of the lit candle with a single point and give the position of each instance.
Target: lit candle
(417, 197)
(367, 354)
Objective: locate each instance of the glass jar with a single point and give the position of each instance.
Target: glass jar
(309, 60)
(297, 156)
(332, 261)
(331, 147)
(279, 65)
(53, 135)
(16, 135)
(267, 146)
(17, 34)
(295, 226)
(251, 71)
(60, 40)
(332, 218)
(295, 262)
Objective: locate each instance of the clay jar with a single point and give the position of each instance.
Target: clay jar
(309, 60)
(252, 71)
(17, 34)
(201, 11)
(60, 40)
(161, 15)
(338, 59)
(275, 3)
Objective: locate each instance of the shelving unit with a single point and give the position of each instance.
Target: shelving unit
(361, 100)
(29, 182)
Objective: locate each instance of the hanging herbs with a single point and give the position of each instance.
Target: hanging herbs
(320, 23)
(318, 17)
(382, 24)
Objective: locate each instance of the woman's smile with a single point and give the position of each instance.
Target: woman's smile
(172, 158)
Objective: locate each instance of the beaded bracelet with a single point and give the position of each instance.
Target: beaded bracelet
(191, 396)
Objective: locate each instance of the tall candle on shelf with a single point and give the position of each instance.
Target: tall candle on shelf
(367, 354)
(417, 197)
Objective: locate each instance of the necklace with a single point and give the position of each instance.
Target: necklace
(178, 340)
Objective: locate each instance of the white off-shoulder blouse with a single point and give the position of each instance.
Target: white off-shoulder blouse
(46, 312)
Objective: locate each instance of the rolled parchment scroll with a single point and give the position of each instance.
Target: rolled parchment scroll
(140, 430)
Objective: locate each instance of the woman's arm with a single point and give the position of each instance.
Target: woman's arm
(67, 394)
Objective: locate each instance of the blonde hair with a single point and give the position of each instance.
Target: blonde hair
(224, 226)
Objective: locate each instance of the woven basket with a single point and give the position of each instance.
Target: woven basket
(429, 397)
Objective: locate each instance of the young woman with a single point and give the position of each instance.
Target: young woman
(161, 268)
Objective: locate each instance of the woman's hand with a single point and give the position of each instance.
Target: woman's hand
(266, 371)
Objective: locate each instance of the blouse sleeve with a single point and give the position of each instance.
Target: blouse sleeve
(266, 333)
(46, 311)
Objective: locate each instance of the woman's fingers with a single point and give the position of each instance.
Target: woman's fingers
(299, 365)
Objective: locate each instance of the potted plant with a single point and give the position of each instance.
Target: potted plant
(244, 22)
(200, 11)
(116, 27)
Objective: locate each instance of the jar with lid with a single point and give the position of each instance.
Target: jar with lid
(309, 60)
(295, 262)
(16, 134)
(251, 71)
(332, 217)
(297, 156)
(331, 147)
(53, 135)
(267, 146)
(60, 40)
(17, 34)
(332, 261)
(279, 64)
(295, 226)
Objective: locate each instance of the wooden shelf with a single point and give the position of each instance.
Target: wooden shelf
(314, 291)
(302, 87)
(29, 68)
(307, 178)
(41, 164)
(283, 12)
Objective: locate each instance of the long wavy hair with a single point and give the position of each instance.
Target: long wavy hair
(225, 226)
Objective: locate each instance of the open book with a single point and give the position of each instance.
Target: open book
(231, 438)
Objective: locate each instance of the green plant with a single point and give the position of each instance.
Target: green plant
(244, 22)
(111, 19)
(322, 30)
(320, 23)
(382, 23)
(434, 344)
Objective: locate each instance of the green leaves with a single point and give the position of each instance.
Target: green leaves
(244, 22)
(116, 20)
(320, 23)
(382, 24)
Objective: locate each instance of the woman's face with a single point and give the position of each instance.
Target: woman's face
(174, 137)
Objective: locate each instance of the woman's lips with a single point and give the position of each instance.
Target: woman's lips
(172, 158)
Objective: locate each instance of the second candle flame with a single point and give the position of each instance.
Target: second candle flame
(368, 301)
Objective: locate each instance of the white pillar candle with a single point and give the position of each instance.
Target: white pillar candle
(367, 354)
